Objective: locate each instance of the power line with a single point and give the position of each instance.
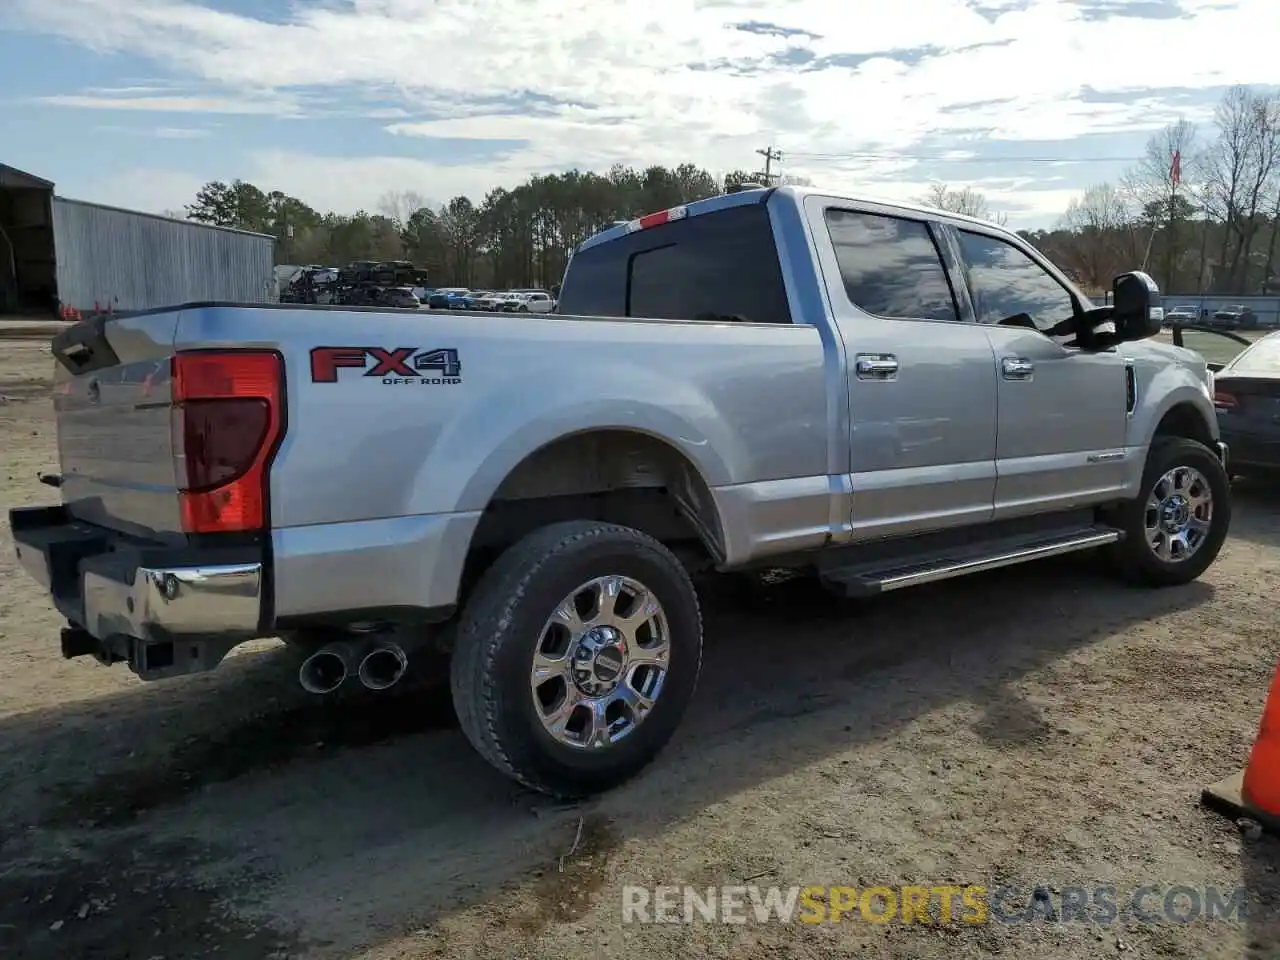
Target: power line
(940, 158)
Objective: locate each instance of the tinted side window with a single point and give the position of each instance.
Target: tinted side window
(712, 265)
(891, 267)
(1005, 282)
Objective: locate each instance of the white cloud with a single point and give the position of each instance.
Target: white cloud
(627, 81)
(181, 133)
(172, 104)
(358, 183)
(148, 189)
(159, 133)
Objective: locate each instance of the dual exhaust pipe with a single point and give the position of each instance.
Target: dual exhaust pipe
(379, 666)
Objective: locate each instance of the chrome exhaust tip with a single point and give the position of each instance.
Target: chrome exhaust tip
(383, 666)
(327, 669)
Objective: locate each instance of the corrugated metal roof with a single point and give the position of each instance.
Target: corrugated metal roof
(13, 177)
(160, 216)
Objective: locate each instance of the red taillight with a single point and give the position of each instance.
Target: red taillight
(1225, 401)
(657, 219)
(227, 422)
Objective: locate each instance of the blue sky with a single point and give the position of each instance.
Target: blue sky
(138, 102)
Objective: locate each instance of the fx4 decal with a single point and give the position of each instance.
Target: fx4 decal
(399, 365)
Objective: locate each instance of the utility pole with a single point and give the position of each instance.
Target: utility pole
(769, 155)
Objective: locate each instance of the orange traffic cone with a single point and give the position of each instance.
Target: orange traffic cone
(1261, 786)
(1255, 792)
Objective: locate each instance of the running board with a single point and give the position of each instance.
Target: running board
(864, 580)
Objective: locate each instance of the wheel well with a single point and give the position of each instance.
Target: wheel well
(1184, 420)
(616, 476)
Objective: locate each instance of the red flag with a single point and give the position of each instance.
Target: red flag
(1175, 169)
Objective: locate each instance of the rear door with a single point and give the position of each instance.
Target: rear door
(1063, 412)
(922, 392)
(112, 400)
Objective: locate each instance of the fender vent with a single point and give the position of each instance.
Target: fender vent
(1130, 389)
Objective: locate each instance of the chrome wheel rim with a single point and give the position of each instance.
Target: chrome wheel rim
(601, 662)
(1179, 514)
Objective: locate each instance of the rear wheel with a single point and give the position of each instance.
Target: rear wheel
(576, 657)
(1176, 527)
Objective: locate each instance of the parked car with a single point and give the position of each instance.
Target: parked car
(1247, 397)
(788, 380)
(447, 298)
(537, 302)
(401, 297)
(1228, 318)
(490, 301)
(529, 302)
(1183, 313)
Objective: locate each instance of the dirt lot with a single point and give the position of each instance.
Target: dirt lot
(1038, 727)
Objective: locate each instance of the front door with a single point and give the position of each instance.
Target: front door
(922, 391)
(1063, 412)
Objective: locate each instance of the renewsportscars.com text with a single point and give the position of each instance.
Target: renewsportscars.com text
(940, 904)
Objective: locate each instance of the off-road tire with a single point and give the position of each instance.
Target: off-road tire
(1132, 558)
(499, 629)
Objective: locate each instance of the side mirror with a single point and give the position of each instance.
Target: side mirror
(1136, 307)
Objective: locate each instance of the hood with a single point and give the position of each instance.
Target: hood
(1162, 353)
(1152, 355)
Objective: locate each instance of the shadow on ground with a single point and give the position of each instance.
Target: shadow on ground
(1257, 500)
(334, 824)
(1256, 510)
(1260, 861)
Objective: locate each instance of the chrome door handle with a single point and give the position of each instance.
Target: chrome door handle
(877, 366)
(1016, 368)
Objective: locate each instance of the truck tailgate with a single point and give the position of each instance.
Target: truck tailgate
(112, 399)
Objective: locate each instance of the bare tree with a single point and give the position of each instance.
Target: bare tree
(1263, 186)
(1157, 185)
(1271, 244)
(1102, 236)
(965, 201)
(400, 205)
(1241, 168)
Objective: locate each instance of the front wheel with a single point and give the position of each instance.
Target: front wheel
(576, 657)
(1179, 521)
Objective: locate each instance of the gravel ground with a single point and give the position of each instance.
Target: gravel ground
(1041, 726)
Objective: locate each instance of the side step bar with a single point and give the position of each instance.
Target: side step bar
(861, 580)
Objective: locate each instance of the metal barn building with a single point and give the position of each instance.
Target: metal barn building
(57, 253)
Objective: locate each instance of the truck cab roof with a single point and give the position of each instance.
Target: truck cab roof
(760, 195)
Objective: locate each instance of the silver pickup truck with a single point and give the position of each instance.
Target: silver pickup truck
(873, 394)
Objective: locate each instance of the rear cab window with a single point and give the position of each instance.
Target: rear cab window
(715, 266)
(890, 266)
